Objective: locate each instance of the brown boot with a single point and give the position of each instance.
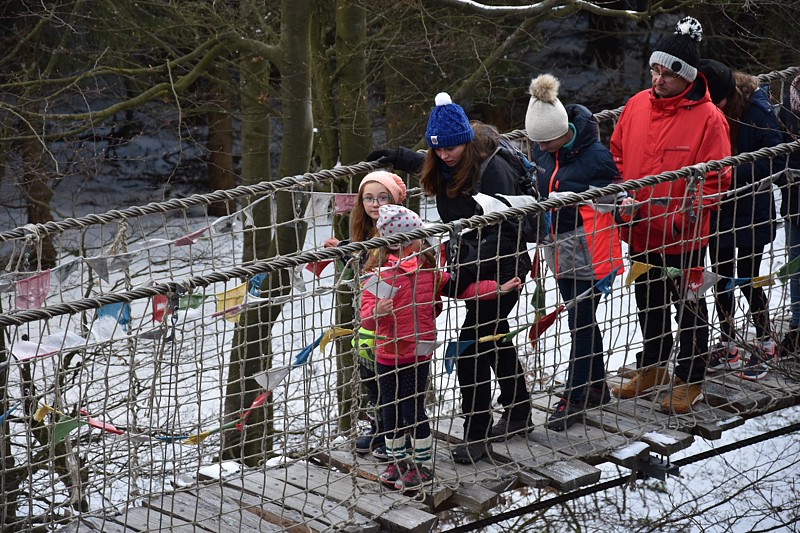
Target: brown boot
(642, 382)
(684, 396)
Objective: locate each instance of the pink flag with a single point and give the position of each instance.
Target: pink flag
(191, 238)
(101, 425)
(344, 202)
(32, 291)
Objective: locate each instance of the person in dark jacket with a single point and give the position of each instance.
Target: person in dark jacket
(789, 119)
(745, 223)
(458, 165)
(583, 245)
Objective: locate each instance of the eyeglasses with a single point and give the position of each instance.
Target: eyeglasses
(381, 199)
(664, 74)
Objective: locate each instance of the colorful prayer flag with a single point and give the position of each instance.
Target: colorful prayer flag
(344, 202)
(255, 284)
(317, 267)
(191, 238)
(453, 350)
(121, 312)
(637, 269)
(160, 307)
(539, 327)
(32, 291)
(789, 269)
(332, 334)
(226, 300)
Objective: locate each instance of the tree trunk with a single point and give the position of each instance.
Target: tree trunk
(220, 143)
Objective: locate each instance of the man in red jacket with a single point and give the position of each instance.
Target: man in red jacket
(669, 126)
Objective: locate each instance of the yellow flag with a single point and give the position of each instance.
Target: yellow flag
(331, 334)
(42, 412)
(194, 440)
(636, 270)
(492, 338)
(763, 281)
(231, 298)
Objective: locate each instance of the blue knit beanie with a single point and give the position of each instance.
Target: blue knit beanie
(448, 125)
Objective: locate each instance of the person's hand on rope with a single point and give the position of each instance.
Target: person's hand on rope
(401, 159)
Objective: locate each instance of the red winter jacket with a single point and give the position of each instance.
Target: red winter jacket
(654, 135)
(417, 303)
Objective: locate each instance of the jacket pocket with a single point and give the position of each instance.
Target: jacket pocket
(675, 157)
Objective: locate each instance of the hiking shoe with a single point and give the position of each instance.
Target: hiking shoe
(505, 428)
(684, 396)
(724, 357)
(597, 395)
(642, 382)
(393, 473)
(757, 366)
(790, 345)
(471, 452)
(368, 442)
(565, 414)
(415, 478)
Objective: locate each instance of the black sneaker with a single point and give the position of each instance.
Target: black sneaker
(597, 395)
(790, 345)
(367, 443)
(471, 452)
(724, 358)
(757, 367)
(565, 414)
(505, 428)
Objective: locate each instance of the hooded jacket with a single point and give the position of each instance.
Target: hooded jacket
(751, 213)
(583, 243)
(655, 135)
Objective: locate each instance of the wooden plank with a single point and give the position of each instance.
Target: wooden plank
(777, 397)
(248, 511)
(316, 512)
(592, 444)
(364, 497)
(367, 468)
(564, 473)
(189, 508)
(145, 519)
(85, 524)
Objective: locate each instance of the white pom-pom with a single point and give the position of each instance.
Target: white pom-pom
(690, 26)
(545, 88)
(443, 99)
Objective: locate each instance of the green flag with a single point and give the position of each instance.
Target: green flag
(788, 269)
(63, 427)
(191, 301)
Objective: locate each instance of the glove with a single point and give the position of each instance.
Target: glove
(401, 159)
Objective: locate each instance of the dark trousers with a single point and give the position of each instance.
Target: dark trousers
(475, 365)
(655, 291)
(742, 263)
(402, 389)
(586, 361)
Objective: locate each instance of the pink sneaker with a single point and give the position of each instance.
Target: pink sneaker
(393, 475)
(415, 478)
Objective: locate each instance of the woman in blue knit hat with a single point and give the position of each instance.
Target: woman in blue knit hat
(457, 165)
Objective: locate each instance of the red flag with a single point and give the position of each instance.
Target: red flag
(344, 202)
(32, 291)
(318, 267)
(696, 277)
(535, 273)
(539, 327)
(101, 425)
(258, 402)
(160, 303)
(191, 238)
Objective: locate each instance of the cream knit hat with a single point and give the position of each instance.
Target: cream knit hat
(546, 118)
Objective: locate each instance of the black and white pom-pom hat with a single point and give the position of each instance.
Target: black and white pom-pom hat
(679, 52)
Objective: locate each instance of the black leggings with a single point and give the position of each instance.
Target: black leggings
(475, 365)
(654, 292)
(402, 389)
(747, 262)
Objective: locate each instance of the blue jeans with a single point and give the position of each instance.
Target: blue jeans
(586, 361)
(793, 242)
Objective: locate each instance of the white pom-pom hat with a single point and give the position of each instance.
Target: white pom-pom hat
(546, 118)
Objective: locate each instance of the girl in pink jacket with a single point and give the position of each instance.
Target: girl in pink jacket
(401, 303)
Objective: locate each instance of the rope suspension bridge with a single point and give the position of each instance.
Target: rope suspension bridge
(131, 400)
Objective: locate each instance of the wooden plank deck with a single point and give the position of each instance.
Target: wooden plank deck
(339, 490)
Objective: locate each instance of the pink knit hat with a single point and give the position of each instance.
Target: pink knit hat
(396, 219)
(393, 183)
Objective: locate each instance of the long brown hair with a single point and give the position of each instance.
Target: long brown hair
(738, 102)
(465, 175)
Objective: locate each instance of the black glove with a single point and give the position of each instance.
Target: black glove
(401, 159)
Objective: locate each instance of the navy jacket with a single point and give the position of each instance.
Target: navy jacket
(790, 193)
(747, 219)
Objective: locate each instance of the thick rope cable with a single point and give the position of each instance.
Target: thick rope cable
(300, 258)
(619, 481)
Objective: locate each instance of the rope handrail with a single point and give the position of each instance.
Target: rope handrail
(302, 257)
(268, 187)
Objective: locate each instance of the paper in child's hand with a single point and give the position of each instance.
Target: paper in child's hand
(379, 288)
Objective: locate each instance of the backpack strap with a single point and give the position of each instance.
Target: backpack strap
(483, 166)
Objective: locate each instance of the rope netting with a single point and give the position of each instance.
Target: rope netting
(154, 353)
